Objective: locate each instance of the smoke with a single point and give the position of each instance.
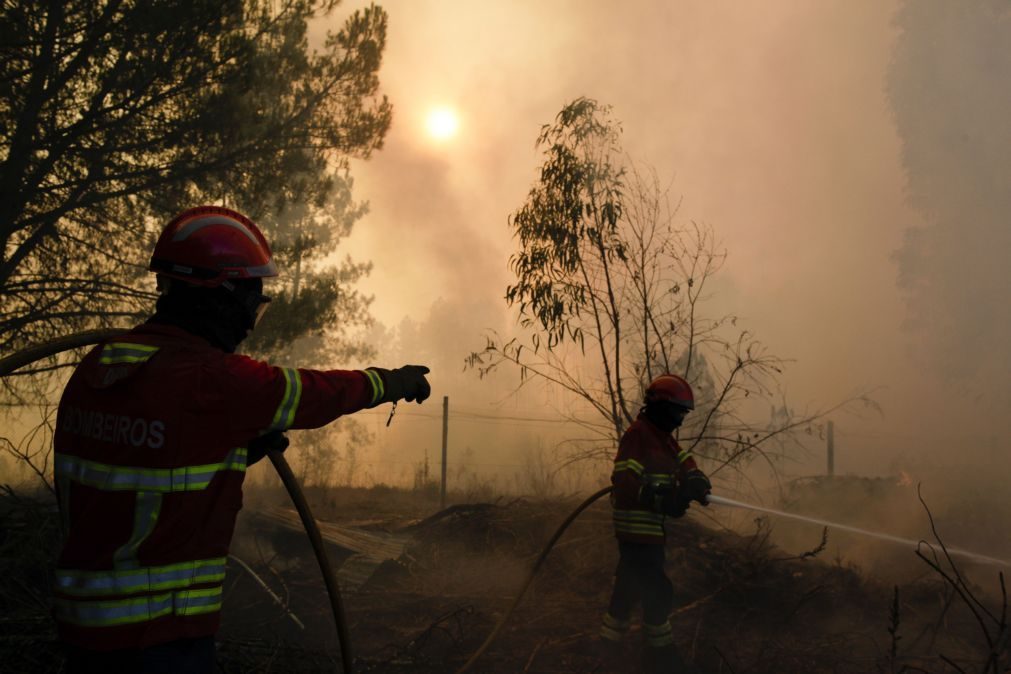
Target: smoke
(805, 133)
(948, 88)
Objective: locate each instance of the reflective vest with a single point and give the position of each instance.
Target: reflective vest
(645, 454)
(150, 455)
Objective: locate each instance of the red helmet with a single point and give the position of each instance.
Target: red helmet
(209, 245)
(672, 388)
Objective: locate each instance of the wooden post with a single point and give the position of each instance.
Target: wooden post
(445, 436)
(831, 448)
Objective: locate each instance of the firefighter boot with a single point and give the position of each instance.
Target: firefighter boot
(610, 649)
(665, 660)
(659, 655)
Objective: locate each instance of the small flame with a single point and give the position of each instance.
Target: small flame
(905, 479)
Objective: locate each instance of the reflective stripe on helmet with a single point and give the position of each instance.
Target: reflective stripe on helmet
(197, 224)
(144, 579)
(284, 417)
(203, 246)
(129, 478)
(138, 609)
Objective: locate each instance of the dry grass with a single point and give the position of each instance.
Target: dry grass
(742, 605)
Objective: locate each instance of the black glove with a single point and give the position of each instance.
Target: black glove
(406, 383)
(275, 441)
(696, 486)
(661, 498)
(651, 496)
(675, 503)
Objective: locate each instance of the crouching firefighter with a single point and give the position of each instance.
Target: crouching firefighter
(653, 479)
(154, 433)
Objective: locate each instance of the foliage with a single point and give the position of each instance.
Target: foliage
(994, 628)
(611, 290)
(314, 305)
(117, 114)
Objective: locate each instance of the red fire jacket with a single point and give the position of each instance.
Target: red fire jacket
(150, 455)
(645, 454)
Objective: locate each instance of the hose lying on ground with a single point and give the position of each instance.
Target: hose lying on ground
(530, 577)
(32, 354)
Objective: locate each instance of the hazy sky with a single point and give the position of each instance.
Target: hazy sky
(771, 119)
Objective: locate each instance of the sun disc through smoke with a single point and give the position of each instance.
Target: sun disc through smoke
(442, 123)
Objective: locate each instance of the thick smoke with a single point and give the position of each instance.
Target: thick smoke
(948, 86)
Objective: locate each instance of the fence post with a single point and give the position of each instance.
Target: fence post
(445, 436)
(831, 449)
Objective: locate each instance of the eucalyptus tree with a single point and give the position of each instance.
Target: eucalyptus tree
(611, 291)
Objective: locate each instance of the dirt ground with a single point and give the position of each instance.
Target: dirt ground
(742, 605)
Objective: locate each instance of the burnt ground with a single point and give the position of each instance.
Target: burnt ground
(742, 604)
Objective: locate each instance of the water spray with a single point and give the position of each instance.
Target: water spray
(954, 552)
(719, 500)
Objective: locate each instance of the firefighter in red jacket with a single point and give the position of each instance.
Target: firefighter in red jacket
(653, 479)
(154, 433)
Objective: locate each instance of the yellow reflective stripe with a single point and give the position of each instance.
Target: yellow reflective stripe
(642, 529)
(138, 609)
(284, 417)
(653, 630)
(611, 634)
(109, 477)
(145, 517)
(684, 455)
(116, 353)
(659, 478)
(194, 602)
(638, 522)
(616, 624)
(658, 635)
(143, 579)
(637, 516)
(378, 391)
(628, 464)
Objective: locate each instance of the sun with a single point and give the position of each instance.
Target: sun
(442, 123)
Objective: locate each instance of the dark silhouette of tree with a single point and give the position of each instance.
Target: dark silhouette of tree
(947, 86)
(116, 115)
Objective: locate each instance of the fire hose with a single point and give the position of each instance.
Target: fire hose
(983, 559)
(530, 576)
(32, 354)
(20, 359)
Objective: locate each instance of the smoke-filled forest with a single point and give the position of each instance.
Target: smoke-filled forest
(568, 336)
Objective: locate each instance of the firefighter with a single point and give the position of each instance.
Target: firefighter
(653, 479)
(154, 433)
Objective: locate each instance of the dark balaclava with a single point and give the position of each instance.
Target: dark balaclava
(220, 315)
(664, 414)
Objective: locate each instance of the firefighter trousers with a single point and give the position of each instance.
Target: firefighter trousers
(183, 656)
(640, 578)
